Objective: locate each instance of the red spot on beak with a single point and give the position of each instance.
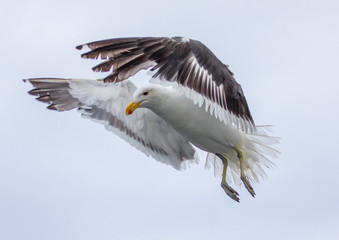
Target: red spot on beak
(130, 112)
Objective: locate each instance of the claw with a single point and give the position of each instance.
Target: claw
(248, 186)
(230, 192)
(242, 173)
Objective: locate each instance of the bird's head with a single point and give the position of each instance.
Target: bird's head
(142, 97)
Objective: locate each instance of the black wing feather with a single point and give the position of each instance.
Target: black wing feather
(171, 59)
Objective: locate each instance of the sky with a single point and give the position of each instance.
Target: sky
(64, 177)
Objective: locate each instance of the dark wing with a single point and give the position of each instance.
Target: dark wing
(189, 63)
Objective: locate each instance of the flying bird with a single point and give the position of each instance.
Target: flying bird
(197, 103)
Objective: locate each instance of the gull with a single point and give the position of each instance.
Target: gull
(197, 103)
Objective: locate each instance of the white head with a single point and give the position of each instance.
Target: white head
(144, 97)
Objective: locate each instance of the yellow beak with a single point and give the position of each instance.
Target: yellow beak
(131, 107)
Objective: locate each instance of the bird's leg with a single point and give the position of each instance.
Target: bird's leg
(242, 172)
(229, 191)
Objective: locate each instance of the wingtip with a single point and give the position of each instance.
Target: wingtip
(33, 92)
(79, 47)
(52, 107)
(28, 80)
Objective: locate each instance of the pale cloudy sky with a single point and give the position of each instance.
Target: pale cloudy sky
(63, 177)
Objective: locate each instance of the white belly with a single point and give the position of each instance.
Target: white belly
(198, 126)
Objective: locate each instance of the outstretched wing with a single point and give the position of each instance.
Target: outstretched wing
(194, 69)
(105, 103)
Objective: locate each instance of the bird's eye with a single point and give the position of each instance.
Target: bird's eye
(145, 93)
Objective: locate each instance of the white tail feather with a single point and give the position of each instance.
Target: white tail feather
(256, 151)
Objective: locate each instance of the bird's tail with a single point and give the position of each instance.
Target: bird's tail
(257, 151)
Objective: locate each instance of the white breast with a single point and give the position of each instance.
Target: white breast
(198, 126)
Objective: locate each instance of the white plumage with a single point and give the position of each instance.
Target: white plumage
(204, 106)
